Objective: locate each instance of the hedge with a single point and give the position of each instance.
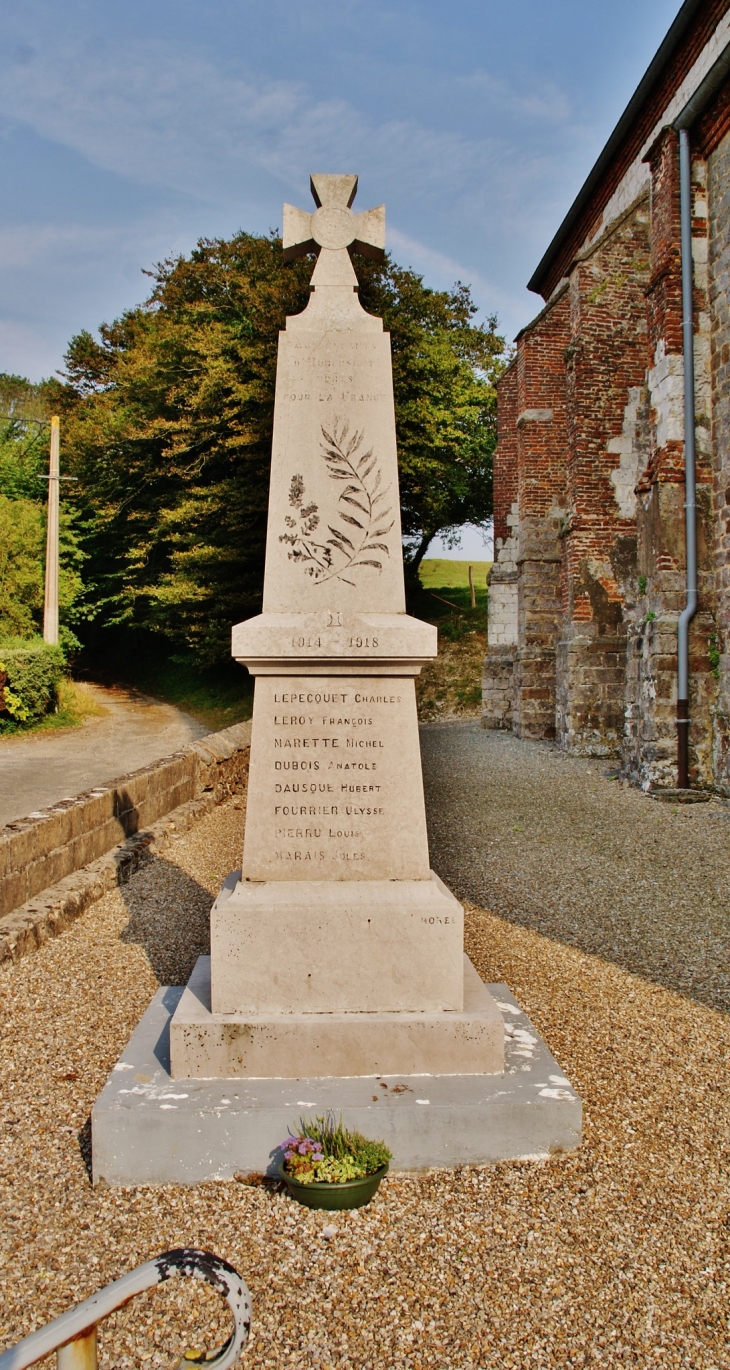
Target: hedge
(29, 677)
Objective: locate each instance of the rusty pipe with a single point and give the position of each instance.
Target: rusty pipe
(73, 1334)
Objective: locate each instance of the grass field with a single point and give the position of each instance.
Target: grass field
(440, 574)
(452, 684)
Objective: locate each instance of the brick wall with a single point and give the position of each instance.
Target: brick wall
(588, 222)
(498, 677)
(589, 472)
(541, 461)
(605, 373)
(505, 456)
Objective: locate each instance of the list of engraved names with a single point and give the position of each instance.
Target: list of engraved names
(329, 779)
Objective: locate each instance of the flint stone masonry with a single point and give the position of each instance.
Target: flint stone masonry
(54, 864)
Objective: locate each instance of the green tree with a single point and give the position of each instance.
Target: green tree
(22, 544)
(168, 420)
(24, 437)
(25, 409)
(444, 373)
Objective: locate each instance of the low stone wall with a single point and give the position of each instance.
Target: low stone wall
(43, 853)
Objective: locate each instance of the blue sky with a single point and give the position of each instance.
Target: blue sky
(129, 130)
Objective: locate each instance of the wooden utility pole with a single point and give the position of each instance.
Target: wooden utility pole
(50, 607)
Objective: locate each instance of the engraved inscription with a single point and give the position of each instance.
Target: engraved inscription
(356, 531)
(329, 793)
(325, 721)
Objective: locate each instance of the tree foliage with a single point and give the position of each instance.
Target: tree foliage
(24, 440)
(168, 420)
(444, 373)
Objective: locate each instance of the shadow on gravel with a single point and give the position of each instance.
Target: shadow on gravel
(169, 915)
(547, 841)
(83, 1137)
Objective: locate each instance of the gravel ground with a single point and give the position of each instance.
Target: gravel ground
(617, 1255)
(548, 841)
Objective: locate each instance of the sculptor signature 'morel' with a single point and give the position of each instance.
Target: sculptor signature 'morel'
(349, 547)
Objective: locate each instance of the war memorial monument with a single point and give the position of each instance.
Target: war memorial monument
(337, 976)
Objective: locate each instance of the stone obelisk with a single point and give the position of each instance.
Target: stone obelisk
(337, 951)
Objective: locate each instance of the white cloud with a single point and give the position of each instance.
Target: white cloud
(540, 101)
(27, 245)
(235, 141)
(169, 117)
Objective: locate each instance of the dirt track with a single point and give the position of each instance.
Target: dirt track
(40, 769)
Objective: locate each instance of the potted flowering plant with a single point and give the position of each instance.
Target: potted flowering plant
(325, 1166)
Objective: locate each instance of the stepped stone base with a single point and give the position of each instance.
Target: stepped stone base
(336, 946)
(204, 1045)
(149, 1128)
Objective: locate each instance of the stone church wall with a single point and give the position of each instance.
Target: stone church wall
(589, 575)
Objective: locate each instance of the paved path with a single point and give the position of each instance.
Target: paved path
(549, 842)
(38, 770)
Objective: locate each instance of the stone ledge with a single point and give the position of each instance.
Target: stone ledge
(222, 1127)
(216, 767)
(54, 909)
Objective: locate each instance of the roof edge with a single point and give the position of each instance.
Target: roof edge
(665, 50)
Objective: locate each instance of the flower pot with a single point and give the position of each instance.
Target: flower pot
(324, 1194)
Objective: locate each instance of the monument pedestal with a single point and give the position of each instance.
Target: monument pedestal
(149, 1128)
(337, 977)
(294, 1046)
(336, 946)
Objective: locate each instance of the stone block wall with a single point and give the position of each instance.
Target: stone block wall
(38, 852)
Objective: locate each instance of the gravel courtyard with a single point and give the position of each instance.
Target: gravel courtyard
(608, 917)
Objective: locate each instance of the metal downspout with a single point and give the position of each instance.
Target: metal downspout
(690, 503)
(695, 105)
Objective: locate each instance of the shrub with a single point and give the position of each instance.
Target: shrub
(30, 672)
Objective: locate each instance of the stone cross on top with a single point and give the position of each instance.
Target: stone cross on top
(333, 231)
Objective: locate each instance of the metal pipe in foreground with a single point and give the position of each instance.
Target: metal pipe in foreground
(73, 1334)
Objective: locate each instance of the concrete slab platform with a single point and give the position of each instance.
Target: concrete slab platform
(151, 1129)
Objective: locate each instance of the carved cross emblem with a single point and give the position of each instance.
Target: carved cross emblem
(333, 230)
